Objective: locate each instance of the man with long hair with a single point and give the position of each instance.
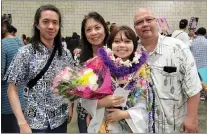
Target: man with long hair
(44, 112)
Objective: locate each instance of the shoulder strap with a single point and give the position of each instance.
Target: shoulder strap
(33, 81)
(178, 34)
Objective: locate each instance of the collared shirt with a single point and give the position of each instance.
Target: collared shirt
(181, 35)
(42, 106)
(199, 50)
(174, 84)
(9, 47)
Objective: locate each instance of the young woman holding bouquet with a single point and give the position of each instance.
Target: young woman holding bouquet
(131, 107)
(94, 33)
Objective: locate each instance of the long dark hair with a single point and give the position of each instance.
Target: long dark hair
(87, 51)
(36, 37)
(129, 33)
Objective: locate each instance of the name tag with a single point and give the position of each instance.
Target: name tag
(170, 69)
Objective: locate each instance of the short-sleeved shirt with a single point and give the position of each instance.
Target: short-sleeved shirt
(199, 50)
(175, 77)
(181, 35)
(42, 106)
(9, 47)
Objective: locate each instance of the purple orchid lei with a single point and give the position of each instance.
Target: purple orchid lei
(120, 71)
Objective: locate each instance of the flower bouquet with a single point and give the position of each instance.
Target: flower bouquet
(93, 81)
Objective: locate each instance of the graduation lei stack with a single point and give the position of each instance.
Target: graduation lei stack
(99, 78)
(136, 74)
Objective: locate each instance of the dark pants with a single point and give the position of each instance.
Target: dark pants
(9, 124)
(61, 129)
(82, 125)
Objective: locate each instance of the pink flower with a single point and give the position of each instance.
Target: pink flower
(138, 51)
(95, 63)
(143, 82)
(81, 88)
(67, 73)
(110, 53)
(67, 82)
(118, 60)
(64, 74)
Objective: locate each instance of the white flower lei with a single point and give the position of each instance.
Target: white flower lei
(118, 61)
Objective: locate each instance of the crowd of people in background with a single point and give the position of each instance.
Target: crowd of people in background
(178, 70)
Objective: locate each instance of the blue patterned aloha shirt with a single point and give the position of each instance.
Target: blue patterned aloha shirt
(42, 106)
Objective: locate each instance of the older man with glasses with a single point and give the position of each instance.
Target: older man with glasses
(174, 74)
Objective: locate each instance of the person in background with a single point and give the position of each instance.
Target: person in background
(174, 73)
(28, 40)
(24, 38)
(13, 31)
(180, 33)
(108, 23)
(64, 43)
(199, 50)
(112, 27)
(204, 87)
(192, 34)
(74, 43)
(9, 47)
(44, 111)
(4, 26)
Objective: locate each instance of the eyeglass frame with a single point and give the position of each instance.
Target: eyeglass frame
(141, 22)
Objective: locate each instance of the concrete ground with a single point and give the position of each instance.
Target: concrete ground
(73, 126)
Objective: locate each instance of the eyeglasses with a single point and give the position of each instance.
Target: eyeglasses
(141, 22)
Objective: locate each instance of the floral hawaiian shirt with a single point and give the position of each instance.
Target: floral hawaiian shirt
(175, 77)
(42, 106)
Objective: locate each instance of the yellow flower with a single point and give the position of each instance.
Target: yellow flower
(141, 69)
(142, 72)
(84, 79)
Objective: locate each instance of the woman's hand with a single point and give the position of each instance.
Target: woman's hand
(88, 119)
(116, 115)
(76, 51)
(110, 101)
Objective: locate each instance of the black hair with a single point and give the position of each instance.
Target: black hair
(201, 31)
(86, 51)
(28, 40)
(36, 37)
(12, 29)
(129, 33)
(24, 37)
(112, 27)
(75, 36)
(62, 39)
(4, 22)
(183, 24)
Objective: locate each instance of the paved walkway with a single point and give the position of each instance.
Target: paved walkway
(73, 126)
